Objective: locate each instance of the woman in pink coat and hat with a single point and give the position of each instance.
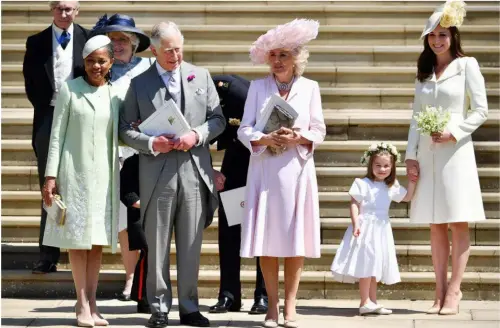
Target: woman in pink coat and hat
(282, 205)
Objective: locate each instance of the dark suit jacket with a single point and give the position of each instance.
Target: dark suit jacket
(129, 195)
(39, 73)
(232, 90)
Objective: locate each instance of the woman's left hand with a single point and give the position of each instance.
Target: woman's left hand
(288, 137)
(442, 137)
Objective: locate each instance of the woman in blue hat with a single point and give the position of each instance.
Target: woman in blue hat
(127, 41)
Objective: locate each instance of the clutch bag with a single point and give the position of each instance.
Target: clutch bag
(56, 212)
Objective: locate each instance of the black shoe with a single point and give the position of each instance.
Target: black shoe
(123, 297)
(158, 320)
(259, 306)
(143, 307)
(43, 266)
(224, 305)
(194, 319)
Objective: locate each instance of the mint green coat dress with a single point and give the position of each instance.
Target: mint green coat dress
(83, 156)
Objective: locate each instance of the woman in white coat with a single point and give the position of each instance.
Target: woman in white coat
(448, 193)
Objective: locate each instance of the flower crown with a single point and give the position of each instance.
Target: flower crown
(453, 14)
(377, 148)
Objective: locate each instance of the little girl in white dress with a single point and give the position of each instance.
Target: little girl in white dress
(367, 253)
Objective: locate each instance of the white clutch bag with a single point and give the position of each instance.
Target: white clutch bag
(56, 212)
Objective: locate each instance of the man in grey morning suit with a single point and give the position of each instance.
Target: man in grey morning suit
(176, 176)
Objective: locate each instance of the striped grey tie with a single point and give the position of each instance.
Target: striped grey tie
(174, 89)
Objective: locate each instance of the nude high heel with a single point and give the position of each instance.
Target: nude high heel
(433, 310)
(452, 311)
(83, 322)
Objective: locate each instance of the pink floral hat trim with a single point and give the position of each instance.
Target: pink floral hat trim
(288, 36)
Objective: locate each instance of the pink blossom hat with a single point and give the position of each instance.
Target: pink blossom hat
(287, 36)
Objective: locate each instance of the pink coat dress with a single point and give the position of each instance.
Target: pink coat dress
(282, 205)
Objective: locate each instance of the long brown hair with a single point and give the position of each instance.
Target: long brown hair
(427, 59)
(389, 181)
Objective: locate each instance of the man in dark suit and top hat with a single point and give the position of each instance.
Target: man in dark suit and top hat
(232, 90)
(52, 57)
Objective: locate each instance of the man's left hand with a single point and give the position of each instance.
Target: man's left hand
(186, 142)
(442, 137)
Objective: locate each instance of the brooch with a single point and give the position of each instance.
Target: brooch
(234, 122)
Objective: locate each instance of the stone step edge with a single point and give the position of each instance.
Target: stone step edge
(354, 117)
(329, 145)
(320, 171)
(324, 196)
(326, 28)
(487, 278)
(326, 249)
(335, 223)
(314, 49)
(254, 8)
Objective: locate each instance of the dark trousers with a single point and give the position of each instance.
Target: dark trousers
(230, 261)
(138, 292)
(41, 148)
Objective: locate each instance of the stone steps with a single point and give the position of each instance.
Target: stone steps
(313, 284)
(329, 153)
(321, 55)
(377, 35)
(411, 258)
(332, 97)
(25, 229)
(334, 76)
(364, 59)
(252, 13)
(342, 124)
(25, 178)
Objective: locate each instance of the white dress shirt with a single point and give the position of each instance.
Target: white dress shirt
(62, 62)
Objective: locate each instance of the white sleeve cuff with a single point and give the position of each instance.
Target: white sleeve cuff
(200, 138)
(150, 146)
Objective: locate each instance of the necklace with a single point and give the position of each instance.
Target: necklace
(283, 86)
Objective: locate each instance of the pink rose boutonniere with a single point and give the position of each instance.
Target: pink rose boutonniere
(191, 77)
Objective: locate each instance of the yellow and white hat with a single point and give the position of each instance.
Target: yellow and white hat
(449, 14)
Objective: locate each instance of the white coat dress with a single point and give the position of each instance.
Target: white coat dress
(448, 189)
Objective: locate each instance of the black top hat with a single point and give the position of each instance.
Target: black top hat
(121, 23)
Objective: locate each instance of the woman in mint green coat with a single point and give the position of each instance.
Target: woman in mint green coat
(83, 168)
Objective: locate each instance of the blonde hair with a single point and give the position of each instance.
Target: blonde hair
(300, 60)
(300, 56)
(134, 40)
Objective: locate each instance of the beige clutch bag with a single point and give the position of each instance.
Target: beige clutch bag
(56, 212)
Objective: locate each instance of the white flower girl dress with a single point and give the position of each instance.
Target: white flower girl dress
(372, 253)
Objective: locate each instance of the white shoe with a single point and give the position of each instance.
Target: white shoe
(383, 310)
(369, 308)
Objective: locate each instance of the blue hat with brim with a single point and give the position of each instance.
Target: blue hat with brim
(121, 23)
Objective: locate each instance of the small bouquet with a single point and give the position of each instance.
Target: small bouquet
(432, 120)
